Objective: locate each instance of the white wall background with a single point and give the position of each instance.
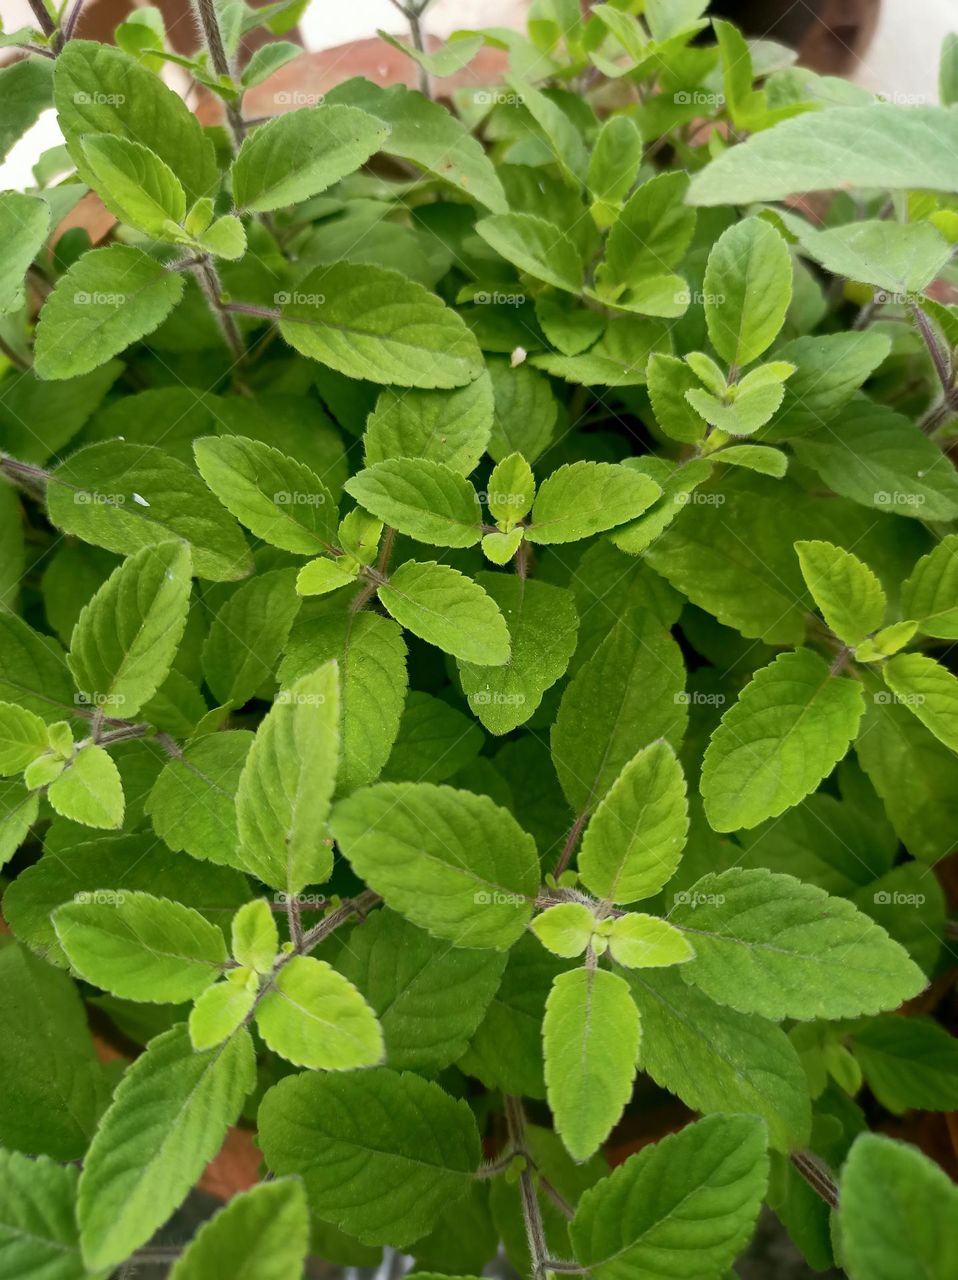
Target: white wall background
(901, 62)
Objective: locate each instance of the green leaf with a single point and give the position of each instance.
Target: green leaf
(884, 461)
(444, 607)
(225, 238)
(684, 1206)
(755, 457)
(371, 323)
(24, 221)
(127, 496)
(830, 368)
(566, 929)
(26, 88)
(639, 941)
(320, 577)
(248, 635)
(279, 499)
(669, 379)
(536, 246)
(429, 997)
(930, 594)
(512, 490)
(388, 1184)
(543, 625)
(109, 299)
(559, 131)
(846, 591)
(747, 286)
(254, 937)
(38, 1232)
(883, 146)
(677, 480)
(192, 804)
(771, 945)
(447, 59)
(443, 426)
(618, 359)
(314, 1017)
(650, 235)
(896, 1211)
(23, 737)
(134, 184)
(897, 257)
(525, 411)
(262, 1234)
(435, 741)
(635, 839)
(168, 1117)
(426, 500)
(126, 638)
(46, 1047)
(287, 783)
(218, 1012)
(714, 1058)
(452, 862)
(614, 162)
(18, 812)
(750, 409)
(299, 154)
(583, 498)
(909, 1062)
(789, 728)
(141, 947)
(89, 790)
(99, 90)
(928, 690)
(590, 1038)
(629, 693)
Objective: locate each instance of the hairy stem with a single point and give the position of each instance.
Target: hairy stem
(413, 12)
(206, 12)
(69, 26)
(817, 1175)
(531, 1213)
(940, 358)
(44, 21)
(209, 282)
(14, 357)
(568, 849)
(295, 923)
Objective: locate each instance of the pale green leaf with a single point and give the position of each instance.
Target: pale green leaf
(457, 53)
(669, 379)
(635, 838)
(789, 728)
(23, 737)
(755, 457)
(615, 160)
(167, 1120)
(299, 154)
(38, 1232)
(747, 286)
(321, 576)
(452, 862)
(262, 1234)
(639, 941)
(279, 499)
(830, 368)
(536, 246)
(141, 947)
(928, 690)
(565, 929)
(771, 945)
(930, 594)
(683, 1207)
(381, 1154)
(590, 1038)
(109, 299)
(89, 790)
(370, 323)
(444, 607)
(192, 804)
(525, 411)
(583, 498)
(287, 783)
(248, 634)
(24, 221)
(18, 812)
(543, 625)
(126, 638)
(427, 500)
(314, 1017)
(254, 939)
(134, 183)
(512, 490)
(218, 1012)
(429, 997)
(650, 235)
(846, 591)
(678, 481)
(499, 548)
(742, 416)
(618, 359)
(899, 258)
(444, 426)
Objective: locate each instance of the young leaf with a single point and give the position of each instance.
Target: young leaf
(748, 285)
(536, 246)
(443, 426)
(254, 939)
(639, 941)
(635, 839)
(613, 164)
(279, 499)
(650, 235)
(89, 790)
(320, 577)
(755, 457)
(583, 498)
(426, 500)
(928, 690)
(218, 1012)
(444, 607)
(287, 783)
(429, 997)
(590, 1038)
(135, 184)
(371, 323)
(771, 945)
(108, 300)
(168, 1117)
(452, 862)
(683, 1207)
(126, 638)
(141, 947)
(23, 737)
(263, 1232)
(789, 728)
(669, 380)
(845, 589)
(314, 1017)
(299, 154)
(565, 929)
(543, 625)
(896, 1207)
(930, 594)
(387, 1184)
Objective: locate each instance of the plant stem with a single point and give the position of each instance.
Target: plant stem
(568, 849)
(939, 358)
(295, 923)
(412, 13)
(209, 282)
(817, 1175)
(249, 309)
(206, 11)
(43, 18)
(69, 26)
(14, 357)
(353, 906)
(531, 1213)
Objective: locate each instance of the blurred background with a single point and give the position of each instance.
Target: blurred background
(889, 46)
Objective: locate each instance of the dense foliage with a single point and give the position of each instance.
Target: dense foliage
(478, 588)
